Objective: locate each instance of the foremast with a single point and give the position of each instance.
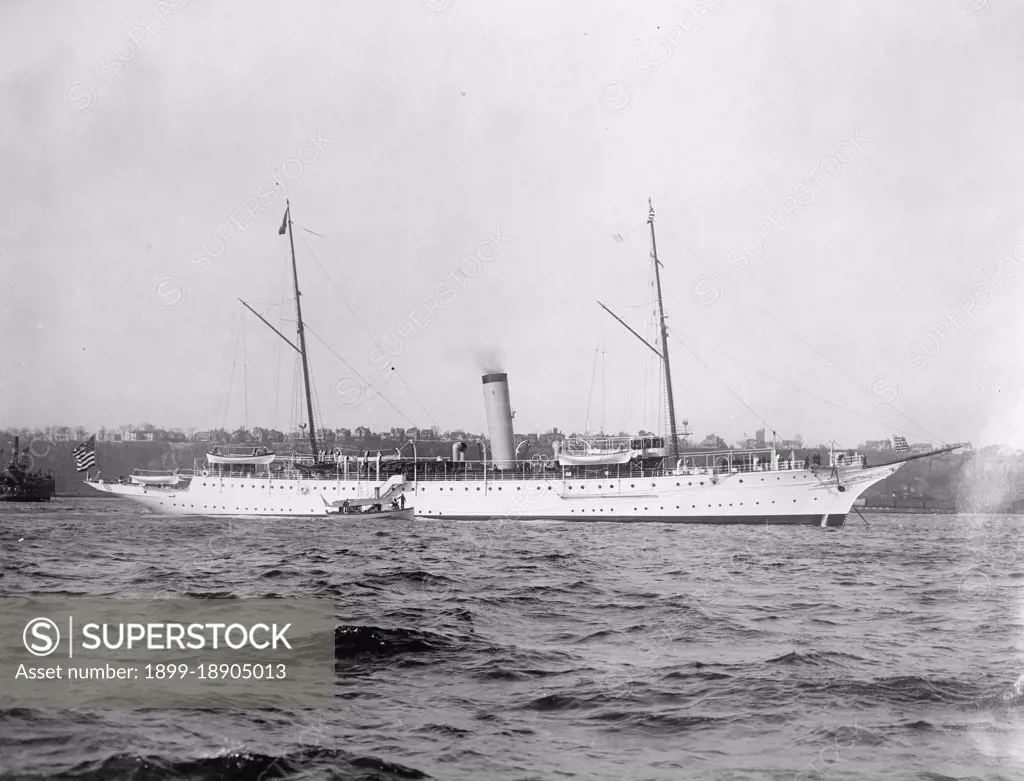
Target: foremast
(673, 440)
(302, 331)
(300, 348)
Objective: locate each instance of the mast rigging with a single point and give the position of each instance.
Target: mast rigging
(301, 330)
(673, 448)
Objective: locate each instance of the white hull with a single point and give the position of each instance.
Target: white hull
(773, 497)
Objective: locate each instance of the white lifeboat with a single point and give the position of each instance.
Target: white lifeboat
(259, 457)
(155, 479)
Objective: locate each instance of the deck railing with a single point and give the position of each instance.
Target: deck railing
(162, 472)
(717, 465)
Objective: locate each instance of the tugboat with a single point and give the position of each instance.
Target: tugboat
(19, 485)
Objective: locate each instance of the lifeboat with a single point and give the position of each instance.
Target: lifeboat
(260, 456)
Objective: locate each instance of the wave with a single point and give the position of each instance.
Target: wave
(354, 642)
(242, 766)
(814, 657)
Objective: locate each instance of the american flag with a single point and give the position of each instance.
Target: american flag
(900, 444)
(85, 454)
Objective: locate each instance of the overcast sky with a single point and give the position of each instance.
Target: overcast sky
(834, 183)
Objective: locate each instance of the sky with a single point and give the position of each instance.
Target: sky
(837, 189)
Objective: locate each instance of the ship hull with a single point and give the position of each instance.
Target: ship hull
(831, 519)
(788, 497)
(27, 497)
(39, 491)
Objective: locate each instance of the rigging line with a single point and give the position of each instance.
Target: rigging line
(368, 385)
(231, 377)
(318, 417)
(350, 307)
(679, 335)
(832, 364)
(661, 417)
(725, 385)
(413, 394)
(268, 304)
(357, 372)
(590, 397)
(712, 263)
(312, 231)
(663, 400)
(628, 406)
(620, 238)
(277, 368)
(245, 378)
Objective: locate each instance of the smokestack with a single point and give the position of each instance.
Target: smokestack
(499, 420)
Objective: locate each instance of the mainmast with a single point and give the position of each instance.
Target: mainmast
(673, 447)
(302, 333)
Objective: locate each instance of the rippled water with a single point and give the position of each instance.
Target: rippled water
(554, 650)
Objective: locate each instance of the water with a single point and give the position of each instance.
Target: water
(551, 650)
